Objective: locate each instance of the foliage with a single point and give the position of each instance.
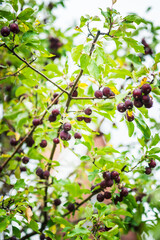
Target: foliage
(42, 69)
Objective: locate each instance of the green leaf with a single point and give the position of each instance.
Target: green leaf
(157, 58)
(84, 61)
(122, 212)
(14, 4)
(134, 18)
(134, 59)
(16, 232)
(138, 47)
(83, 21)
(85, 158)
(60, 220)
(76, 53)
(19, 184)
(4, 223)
(130, 126)
(93, 69)
(26, 14)
(154, 150)
(6, 12)
(21, 90)
(143, 127)
(155, 140)
(33, 225)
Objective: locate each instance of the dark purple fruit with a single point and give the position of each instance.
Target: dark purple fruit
(1, 168)
(100, 197)
(106, 92)
(152, 163)
(117, 180)
(92, 187)
(43, 144)
(57, 202)
(121, 107)
(103, 184)
(8, 88)
(55, 112)
(112, 94)
(102, 229)
(149, 104)
(64, 135)
(67, 127)
(39, 172)
(98, 94)
(5, 31)
(48, 238)
(77, 135)
(56, 140)
(138, 103)
(54, 96)
(36, 122)
(14, 28)
(46, 174)
(69, 136)
(145, 99)
(18, 159)
(129, 118)
(23, 169)
(80, 119)
(88, 111)
(109, 183)
(107, 195)
(87, 120)
(128, 104)
(118, 199)
(137, 93)
(13, 142)
(25, 160)
(75, 93)
(107, 175)
(146, 88)
(30, 141)
(13, 238)
(52, 118)
(71, 207)
(148, 170)
(124, 192)
(114, 174)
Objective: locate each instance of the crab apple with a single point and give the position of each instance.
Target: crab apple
(30, 141)
(64, 135)
(149, 104)
(8, 88)
(48, 238)
(55, 112)
(13, 142)
(43, 143)
(87, 120)
(109, 183)
(80, 119)
(146, 88)
(152, 163)
(107, 195)
(75, 93)
(118, 199)
(100, 197)
(124, 192)
(112, 94)
(71, 207)
(14, 28)
(23, 169)
(128, 104)
(69, 136)
(39, 172)
(46, 174)
(1, 168)
(77, 135)
(148, 170)
(138, 103)
(18, 159)
(88, 111)
(107, 175)
(5, 31)
(103, 184)
(137, 93)
(56, 140)
(36, 122)
(129, 118)
(54, 96)
(145, 99)
(92, 187)
(106, 92)
(117, 179)
(57, 202)
(121, 107)
(67, 127)
(25, 160)
(98, 94)
(52, 118)
(114, 174)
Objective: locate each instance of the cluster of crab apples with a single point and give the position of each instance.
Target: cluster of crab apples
(140, 98)
(109, 179)
(151, 164)
(13, 27)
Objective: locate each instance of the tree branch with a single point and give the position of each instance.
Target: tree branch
(34, 69)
